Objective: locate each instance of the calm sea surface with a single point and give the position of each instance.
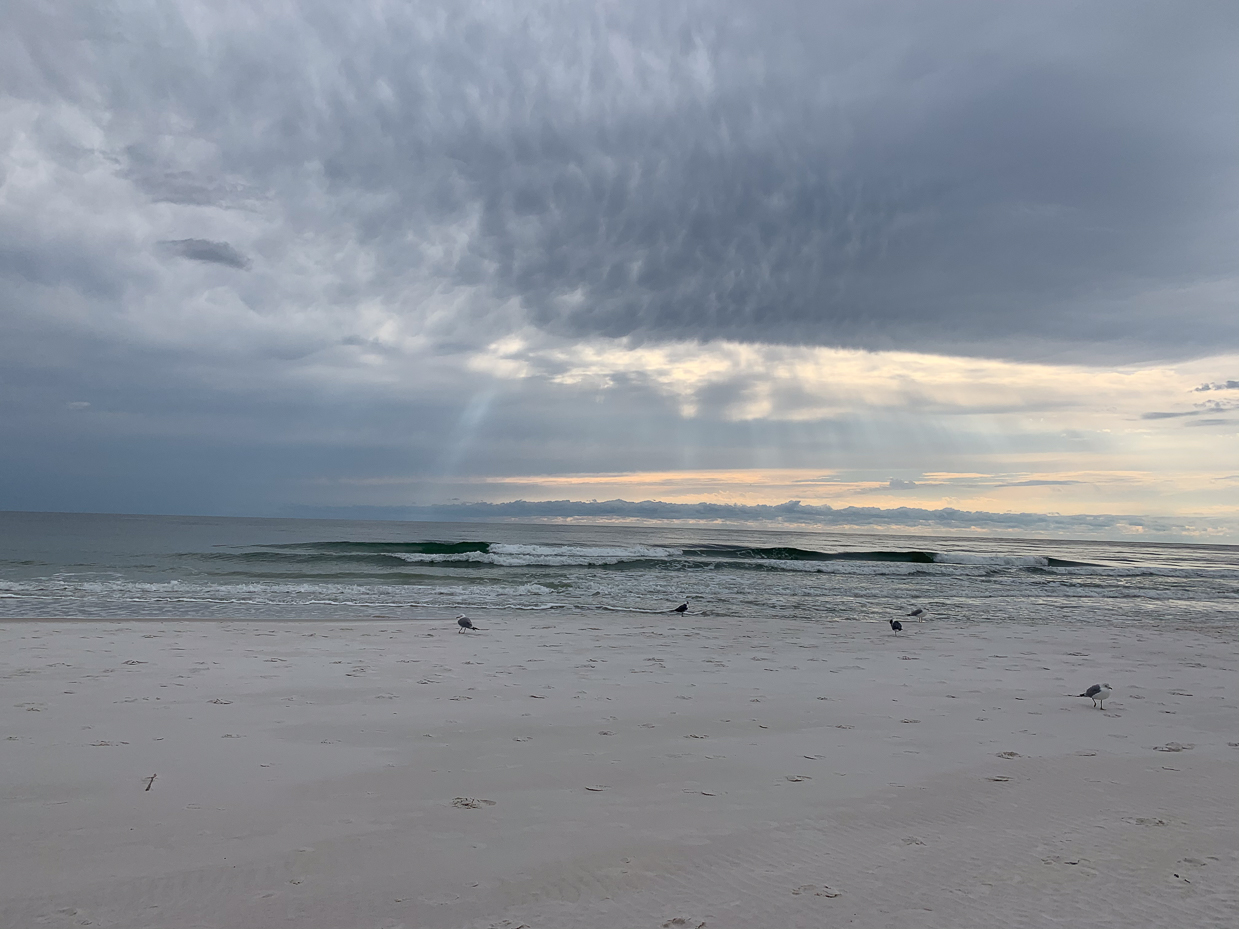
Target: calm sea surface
(82, 565)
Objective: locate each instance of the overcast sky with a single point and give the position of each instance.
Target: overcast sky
(256, 257)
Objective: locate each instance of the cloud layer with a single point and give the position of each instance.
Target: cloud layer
(791, 514)
(253, 253)
(986, 179)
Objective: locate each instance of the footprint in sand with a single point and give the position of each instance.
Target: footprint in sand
(470, 803)
(818, 890)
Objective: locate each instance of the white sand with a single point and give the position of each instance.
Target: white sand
(318, 791)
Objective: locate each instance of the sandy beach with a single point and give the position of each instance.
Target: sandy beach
(634, 771)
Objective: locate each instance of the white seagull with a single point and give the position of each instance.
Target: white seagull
(464, 622)
(1098, 693)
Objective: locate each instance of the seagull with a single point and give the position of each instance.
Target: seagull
(682, 608)
(896, 626)
(1098, 693)
(918, 612)
(464, 622)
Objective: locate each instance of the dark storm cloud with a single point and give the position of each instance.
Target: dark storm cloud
(205, 250)
(1013, 180)
(988, 180)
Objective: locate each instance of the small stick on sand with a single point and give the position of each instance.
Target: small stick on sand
(151, 780)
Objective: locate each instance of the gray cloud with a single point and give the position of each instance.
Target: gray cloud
(791, 513)
(211, 252)
(1221, 385)
(1014, 180)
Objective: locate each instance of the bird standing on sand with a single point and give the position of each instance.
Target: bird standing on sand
(1098, 692)
(682, 608)
(896, 626)
(464, 622)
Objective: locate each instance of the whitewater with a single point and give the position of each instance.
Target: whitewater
(101, 566)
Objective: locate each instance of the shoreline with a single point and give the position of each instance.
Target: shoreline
(307, 772)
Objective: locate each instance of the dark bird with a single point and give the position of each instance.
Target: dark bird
(1098, 693)
(464, 622)
(917, 612)
(682, 608)
(896, 626)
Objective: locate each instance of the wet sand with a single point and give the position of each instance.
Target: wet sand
(626, 770)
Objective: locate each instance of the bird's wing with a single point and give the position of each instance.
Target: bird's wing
(1093, 691)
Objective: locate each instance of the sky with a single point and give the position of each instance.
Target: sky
(877, 257)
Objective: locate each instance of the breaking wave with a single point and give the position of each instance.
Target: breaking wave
(308, 555)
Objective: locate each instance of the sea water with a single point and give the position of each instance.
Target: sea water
(97, 566)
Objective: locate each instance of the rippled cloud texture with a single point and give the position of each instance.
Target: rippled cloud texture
(973, 255)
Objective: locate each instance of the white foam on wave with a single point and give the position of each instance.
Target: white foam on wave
(586, 551)
(998, 561)
(533, 589)
(870, 568)
(551, 556)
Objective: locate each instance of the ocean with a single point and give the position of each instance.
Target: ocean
(73, 565)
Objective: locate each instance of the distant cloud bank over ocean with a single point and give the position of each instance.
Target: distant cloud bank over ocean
(795, 513)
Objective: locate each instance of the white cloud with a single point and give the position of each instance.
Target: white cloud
(804, 383)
